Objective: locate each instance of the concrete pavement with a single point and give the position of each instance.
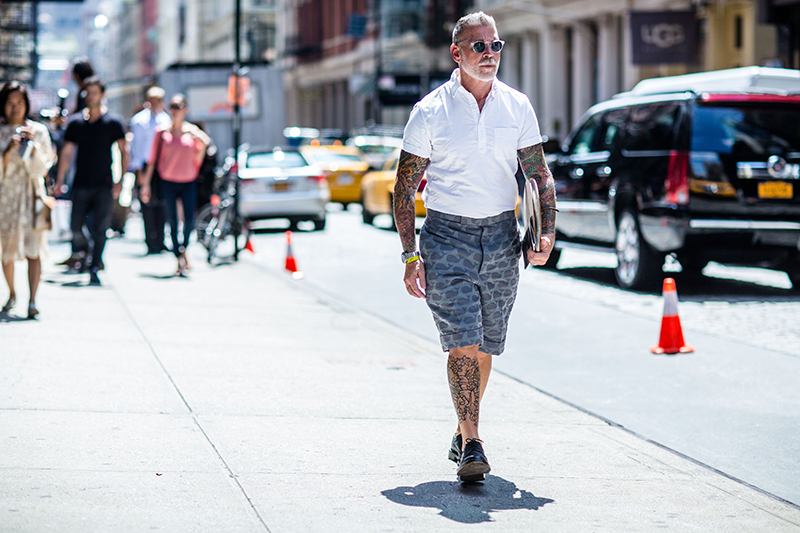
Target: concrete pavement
(242, 400)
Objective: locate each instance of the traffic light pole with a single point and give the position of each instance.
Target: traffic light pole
(237, 112)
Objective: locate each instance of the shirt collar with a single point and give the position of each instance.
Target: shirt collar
(455, 77)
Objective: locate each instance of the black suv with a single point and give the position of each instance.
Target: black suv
(705, 175)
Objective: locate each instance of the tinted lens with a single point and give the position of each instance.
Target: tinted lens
(479, 47)
(496, 46)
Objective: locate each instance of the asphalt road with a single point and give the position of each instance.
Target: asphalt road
(733, 404)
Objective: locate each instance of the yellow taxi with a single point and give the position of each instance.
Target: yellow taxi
(377, 188)
(343, 166)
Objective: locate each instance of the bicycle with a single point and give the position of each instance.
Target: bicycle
(218, 220)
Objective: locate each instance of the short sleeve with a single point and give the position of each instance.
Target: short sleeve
(530, 135)
(119, 130)
(73, 133)
(417, 136)
(152, 151)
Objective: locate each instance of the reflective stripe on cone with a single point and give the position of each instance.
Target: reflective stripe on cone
(671, 339)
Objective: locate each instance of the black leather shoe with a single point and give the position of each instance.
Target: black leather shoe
(454, 454)
(473, 464)
(94, 279)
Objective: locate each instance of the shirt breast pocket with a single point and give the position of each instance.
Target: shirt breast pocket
(505, 142)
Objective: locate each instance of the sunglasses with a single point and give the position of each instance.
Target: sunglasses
(177, 107)
(479, 47)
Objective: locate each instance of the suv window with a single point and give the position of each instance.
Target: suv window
(613, 126)
(754, 131)
(583, 142)
(651, 127)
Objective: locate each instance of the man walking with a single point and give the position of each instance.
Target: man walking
(469, 136)
(93, 132)
(143, 125)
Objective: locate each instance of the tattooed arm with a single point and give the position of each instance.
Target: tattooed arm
(409, 173)
(535, 169)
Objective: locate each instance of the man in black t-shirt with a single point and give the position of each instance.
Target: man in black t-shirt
(93, 132)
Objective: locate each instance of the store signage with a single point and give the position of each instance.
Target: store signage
(399, 89)
(661, 37)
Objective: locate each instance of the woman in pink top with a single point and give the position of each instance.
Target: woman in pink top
(178, 153)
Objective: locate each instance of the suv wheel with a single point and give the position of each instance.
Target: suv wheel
(638, 266)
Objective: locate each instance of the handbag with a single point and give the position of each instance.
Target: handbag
(532, 217)
(43, 206)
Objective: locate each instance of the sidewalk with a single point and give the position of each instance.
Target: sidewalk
(238, 400)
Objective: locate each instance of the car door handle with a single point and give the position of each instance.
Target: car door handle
(603, 172)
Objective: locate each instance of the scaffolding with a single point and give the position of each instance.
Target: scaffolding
(18, 41)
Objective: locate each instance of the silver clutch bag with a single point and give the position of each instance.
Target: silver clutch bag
(532, 219)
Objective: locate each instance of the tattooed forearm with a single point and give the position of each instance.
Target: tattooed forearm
(464, 376)
(410, 170)
(535, 169)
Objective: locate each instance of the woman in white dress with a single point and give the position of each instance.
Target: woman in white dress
(27, 156)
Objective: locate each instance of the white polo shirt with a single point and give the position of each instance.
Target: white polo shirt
(473, 154)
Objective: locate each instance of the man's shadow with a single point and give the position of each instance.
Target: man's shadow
(468, 503)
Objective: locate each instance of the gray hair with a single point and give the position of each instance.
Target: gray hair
(156, 92)
(479, 18)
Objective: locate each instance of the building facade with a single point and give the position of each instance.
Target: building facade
(347, 63)
(567, 56)
(785, 15)
(203, 31)
(352, 63)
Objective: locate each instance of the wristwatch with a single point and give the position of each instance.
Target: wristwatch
(407, 257)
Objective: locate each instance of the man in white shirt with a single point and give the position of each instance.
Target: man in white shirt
(468, 137)
(143, 125)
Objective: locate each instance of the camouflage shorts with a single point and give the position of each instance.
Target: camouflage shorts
(471, 277)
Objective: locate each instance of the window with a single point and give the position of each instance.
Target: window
(745, 130)
(324, 157)
(613, 126)
(276, 160)
(583, 142)
(651, 127)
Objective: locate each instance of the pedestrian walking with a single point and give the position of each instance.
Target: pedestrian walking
(27, 157)
(176, 156)
(93, 133)
(469, 136)
(144, 125)
(82, 70)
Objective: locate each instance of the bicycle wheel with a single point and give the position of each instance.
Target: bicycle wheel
(202, 222)
(218, 231)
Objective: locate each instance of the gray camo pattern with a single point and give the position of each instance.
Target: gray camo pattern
(471, 276)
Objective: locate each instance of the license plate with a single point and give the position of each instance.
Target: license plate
(777, 190)
(345, 179)
(281, 186)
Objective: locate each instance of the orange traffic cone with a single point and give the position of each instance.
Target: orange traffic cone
(671, 340)
(249, 246)
(291, 264)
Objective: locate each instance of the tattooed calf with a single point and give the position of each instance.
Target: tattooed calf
(464, 375)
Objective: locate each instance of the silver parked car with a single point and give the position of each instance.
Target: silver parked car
(277, 183)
